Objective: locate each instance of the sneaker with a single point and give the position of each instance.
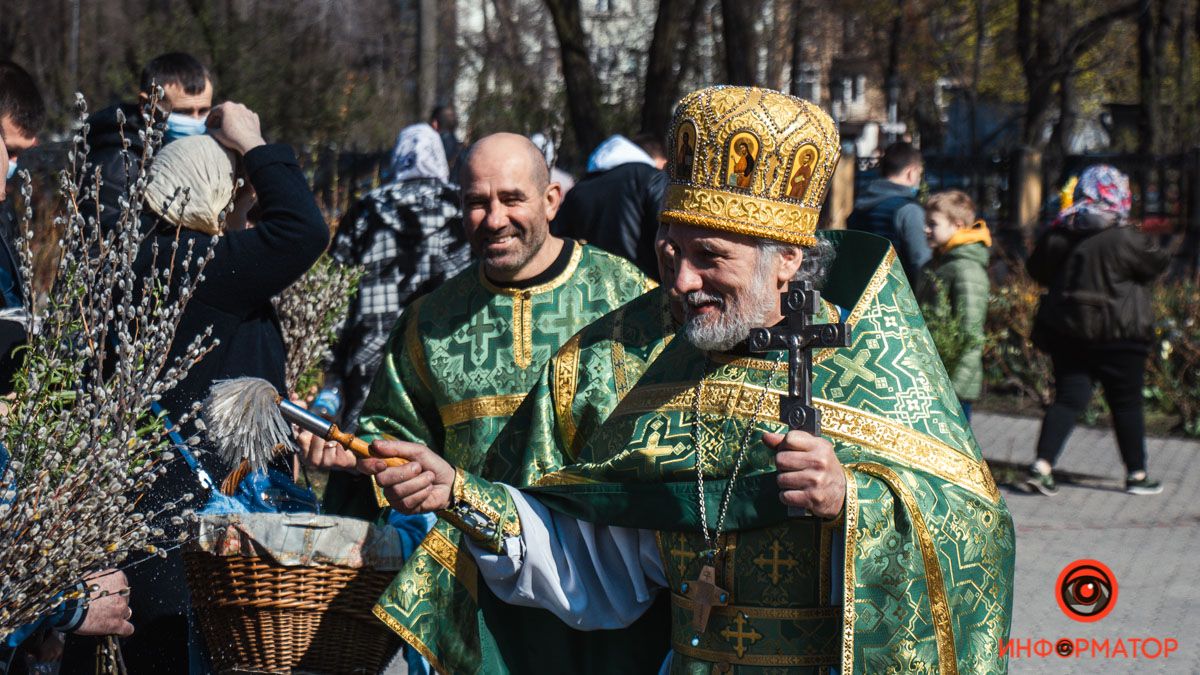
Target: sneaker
(1041, 482)
(1143, 486)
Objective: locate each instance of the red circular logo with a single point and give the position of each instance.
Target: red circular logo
(1087, 590)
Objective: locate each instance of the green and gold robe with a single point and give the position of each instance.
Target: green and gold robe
(534, 444)
(925, 579)
(457, 364)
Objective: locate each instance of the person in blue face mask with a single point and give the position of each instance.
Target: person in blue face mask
(22, 114)
(181, 112)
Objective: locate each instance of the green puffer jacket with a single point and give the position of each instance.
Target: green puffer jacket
(963, 272)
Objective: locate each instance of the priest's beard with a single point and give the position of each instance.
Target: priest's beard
(735, 317)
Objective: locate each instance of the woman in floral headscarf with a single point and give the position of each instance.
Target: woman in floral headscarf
(1096, 320)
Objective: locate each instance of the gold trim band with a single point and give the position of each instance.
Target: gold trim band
(483, 406)
(740, 214)
(851, 554)
(776, 613)
(448, 555)
(778, 660)
(412, 344)
(898, 442)
(409, 637)
(566, 380)
(939, 605)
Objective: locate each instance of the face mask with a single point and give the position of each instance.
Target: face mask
(12, 169)
(181, 126)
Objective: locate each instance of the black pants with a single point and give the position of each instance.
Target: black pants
(1121, 372)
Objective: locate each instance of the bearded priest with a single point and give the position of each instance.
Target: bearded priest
(651, 460)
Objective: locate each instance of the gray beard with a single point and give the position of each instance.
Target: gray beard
(735, 320)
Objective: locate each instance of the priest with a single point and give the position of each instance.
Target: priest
(460, 360)
(659, 467)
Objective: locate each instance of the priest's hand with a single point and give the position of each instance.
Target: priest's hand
(810, 475)
(318, 453)
(422, 485)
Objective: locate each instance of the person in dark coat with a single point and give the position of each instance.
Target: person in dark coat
(1096, 320)
(615, 206)
(889, 208)
(187, 99)
(22, 114)
(249, 267)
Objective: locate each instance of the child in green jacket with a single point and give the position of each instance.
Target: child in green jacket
(960, 246)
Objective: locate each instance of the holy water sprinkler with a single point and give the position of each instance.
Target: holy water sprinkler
(248, 421)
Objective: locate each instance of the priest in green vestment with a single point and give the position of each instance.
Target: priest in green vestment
(460, 359)
(653, 463)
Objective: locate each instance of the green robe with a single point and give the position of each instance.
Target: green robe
(927, 577)
(457, 364)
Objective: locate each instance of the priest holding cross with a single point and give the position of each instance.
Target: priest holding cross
(804, 496)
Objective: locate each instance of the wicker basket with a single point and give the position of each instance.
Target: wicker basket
(258, 616)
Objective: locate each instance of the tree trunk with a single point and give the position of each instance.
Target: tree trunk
(427, 53)
(583, 90)
(778, 57)
(976, 71)
(741, 43)
(891, 80)
(662, 66)
(797, 48)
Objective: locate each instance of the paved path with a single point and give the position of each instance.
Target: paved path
(1151, 544)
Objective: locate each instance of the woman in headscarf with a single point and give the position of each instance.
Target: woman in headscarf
(191, 183)
(408, 237)
(1096, 320)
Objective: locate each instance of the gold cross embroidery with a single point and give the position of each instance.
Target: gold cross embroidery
(775, 562)
(739, 636)
(652, 451)
(682, 558)
(854, 368)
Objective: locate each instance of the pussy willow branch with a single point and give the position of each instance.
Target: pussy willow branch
(84, 449)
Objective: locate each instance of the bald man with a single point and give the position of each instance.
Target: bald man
(461, 359)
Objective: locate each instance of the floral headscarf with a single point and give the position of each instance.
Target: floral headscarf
(419, 154)
(1102, 199)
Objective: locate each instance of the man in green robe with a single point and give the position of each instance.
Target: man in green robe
(460, 360)
(659, 463)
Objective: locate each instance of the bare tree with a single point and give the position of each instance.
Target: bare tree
(1049, 44)
(579, 75)
(674, 30)
(741, 40)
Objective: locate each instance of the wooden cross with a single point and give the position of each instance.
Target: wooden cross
(704, 594)
(799, 336)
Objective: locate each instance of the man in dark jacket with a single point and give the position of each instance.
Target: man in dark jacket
(187, 99)
(22, 114)
(615, 206)
(889, 208)
(1096, 321)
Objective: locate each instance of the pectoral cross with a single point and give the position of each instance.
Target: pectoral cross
(704, 594)
(799, 336)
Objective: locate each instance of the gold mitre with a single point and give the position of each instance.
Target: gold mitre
(750, 161)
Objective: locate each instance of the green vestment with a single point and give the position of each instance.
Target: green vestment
(926, 577)
(457, 364)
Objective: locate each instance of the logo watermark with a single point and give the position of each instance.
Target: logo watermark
(1087, 592)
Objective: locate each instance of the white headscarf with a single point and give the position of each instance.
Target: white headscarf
(204, 169)
(419, 154)
(614, 152)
